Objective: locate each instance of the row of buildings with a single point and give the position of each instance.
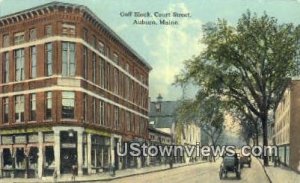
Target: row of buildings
(71, 90)
(284, 130)
(163, 118)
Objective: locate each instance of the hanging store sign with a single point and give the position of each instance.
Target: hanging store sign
(33, 138)
(68, 145)
(20, 139)
(48, 137)
(7, 140)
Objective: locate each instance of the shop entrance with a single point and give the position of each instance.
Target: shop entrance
(68, 151)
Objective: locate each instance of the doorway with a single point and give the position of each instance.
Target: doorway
(68, 151)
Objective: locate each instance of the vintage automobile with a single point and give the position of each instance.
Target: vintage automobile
(245, 160)
(230, 164)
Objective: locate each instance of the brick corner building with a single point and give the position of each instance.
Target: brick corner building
(70, 90)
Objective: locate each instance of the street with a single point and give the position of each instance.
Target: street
(205, 172)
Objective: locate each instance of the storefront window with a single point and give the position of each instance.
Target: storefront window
(20, 158)
(7, 158)
(100, 152)
(33, 157)
(49, 154)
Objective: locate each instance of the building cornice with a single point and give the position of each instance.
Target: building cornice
(57, 6)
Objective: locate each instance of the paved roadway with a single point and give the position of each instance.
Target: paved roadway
(201, 173)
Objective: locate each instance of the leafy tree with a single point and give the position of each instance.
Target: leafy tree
(206, 112)
(249, 124)
(248, 63)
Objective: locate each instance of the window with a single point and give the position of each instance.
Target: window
(132, 125)
(102, 113)
(48, 59)
(33, 107)
(128, 118)
(127, 92)
(101, 48)
(68, 29)
(142, 127)
(127, 67)
(5, 108)
(94, 42)
(33, 62)
(68, 59)
(107, 77)
(85, 34)
(85, 62)
(116, 58)
(48, 30)
(102, 72)
(94, 67)
(5, 40)
(19, 61)
(5, 76)
(94, 110)
(85, 108)
(48, 106)
(19, 38)
(32, 34)
(131, 90)
(116, 81)
(137, 125)
(107, 52)
(68, 103)
(121, 83)
(19, 108)
(117, 122)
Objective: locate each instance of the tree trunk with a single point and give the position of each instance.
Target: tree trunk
(256, 133)
(264, 121)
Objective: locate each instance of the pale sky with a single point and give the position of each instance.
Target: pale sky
(166, 47)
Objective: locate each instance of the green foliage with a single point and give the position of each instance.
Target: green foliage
(205, 111)
(247, 64)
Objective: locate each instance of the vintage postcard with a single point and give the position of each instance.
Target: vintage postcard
(141, 91)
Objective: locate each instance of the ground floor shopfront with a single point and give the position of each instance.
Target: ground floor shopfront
(40, 152)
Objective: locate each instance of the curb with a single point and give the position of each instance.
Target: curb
(269, 178)
(142, 173)
(120, 177)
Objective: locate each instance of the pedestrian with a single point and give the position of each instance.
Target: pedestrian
(54, 176)
(74, 168)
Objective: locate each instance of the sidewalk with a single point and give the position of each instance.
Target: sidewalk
(280, 174)
(102, 176)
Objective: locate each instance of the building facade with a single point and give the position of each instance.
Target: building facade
(189, 135)
(157, 137)
(71, 90)
(287, 125)
(164, 118)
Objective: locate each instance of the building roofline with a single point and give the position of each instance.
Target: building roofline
(86, 9)
(157, 130)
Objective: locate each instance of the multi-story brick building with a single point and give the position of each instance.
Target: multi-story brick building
(70, 89)
(287, 125)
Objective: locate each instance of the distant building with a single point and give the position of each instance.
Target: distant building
(287, 126)
(163, 117)
(157, 137)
